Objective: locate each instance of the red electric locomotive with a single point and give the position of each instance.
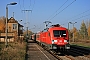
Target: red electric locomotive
(55, 37)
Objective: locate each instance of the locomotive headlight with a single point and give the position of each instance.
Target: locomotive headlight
(65, 41)
(53, 41)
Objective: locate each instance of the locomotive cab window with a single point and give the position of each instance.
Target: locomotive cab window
(59, 33)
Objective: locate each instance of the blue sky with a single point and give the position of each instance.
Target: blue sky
(47, 10)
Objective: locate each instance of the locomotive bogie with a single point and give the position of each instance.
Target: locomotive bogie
(67, 46)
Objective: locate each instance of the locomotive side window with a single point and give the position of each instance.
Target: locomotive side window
(59, 33)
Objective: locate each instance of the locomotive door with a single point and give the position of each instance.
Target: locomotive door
(44, 37)
(48, 38)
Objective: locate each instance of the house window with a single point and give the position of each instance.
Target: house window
(14, 26)
(21, 28)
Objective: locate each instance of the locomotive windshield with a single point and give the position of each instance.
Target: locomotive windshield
(59, 33)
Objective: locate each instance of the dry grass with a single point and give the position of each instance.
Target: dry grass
(15, 51)
(85, 43)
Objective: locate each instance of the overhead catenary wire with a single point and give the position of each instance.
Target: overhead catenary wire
(78, 17)
(79, 14)
(33, 5)
(63, 9)
(81, 17)
(30, 4)
(32, 9)
(58, 9)
(20, 4)
(23, 5)
(21, 10)
(28, 11)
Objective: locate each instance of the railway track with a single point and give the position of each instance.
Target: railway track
(75, 53)
(82, 52)
(59, 56)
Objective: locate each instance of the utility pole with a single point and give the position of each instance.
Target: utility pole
(27, 20)
(68, 30)
(73, 28)
(13, 3)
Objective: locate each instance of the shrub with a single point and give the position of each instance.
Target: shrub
(15, 51)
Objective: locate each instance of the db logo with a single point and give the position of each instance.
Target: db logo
(60, 41)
